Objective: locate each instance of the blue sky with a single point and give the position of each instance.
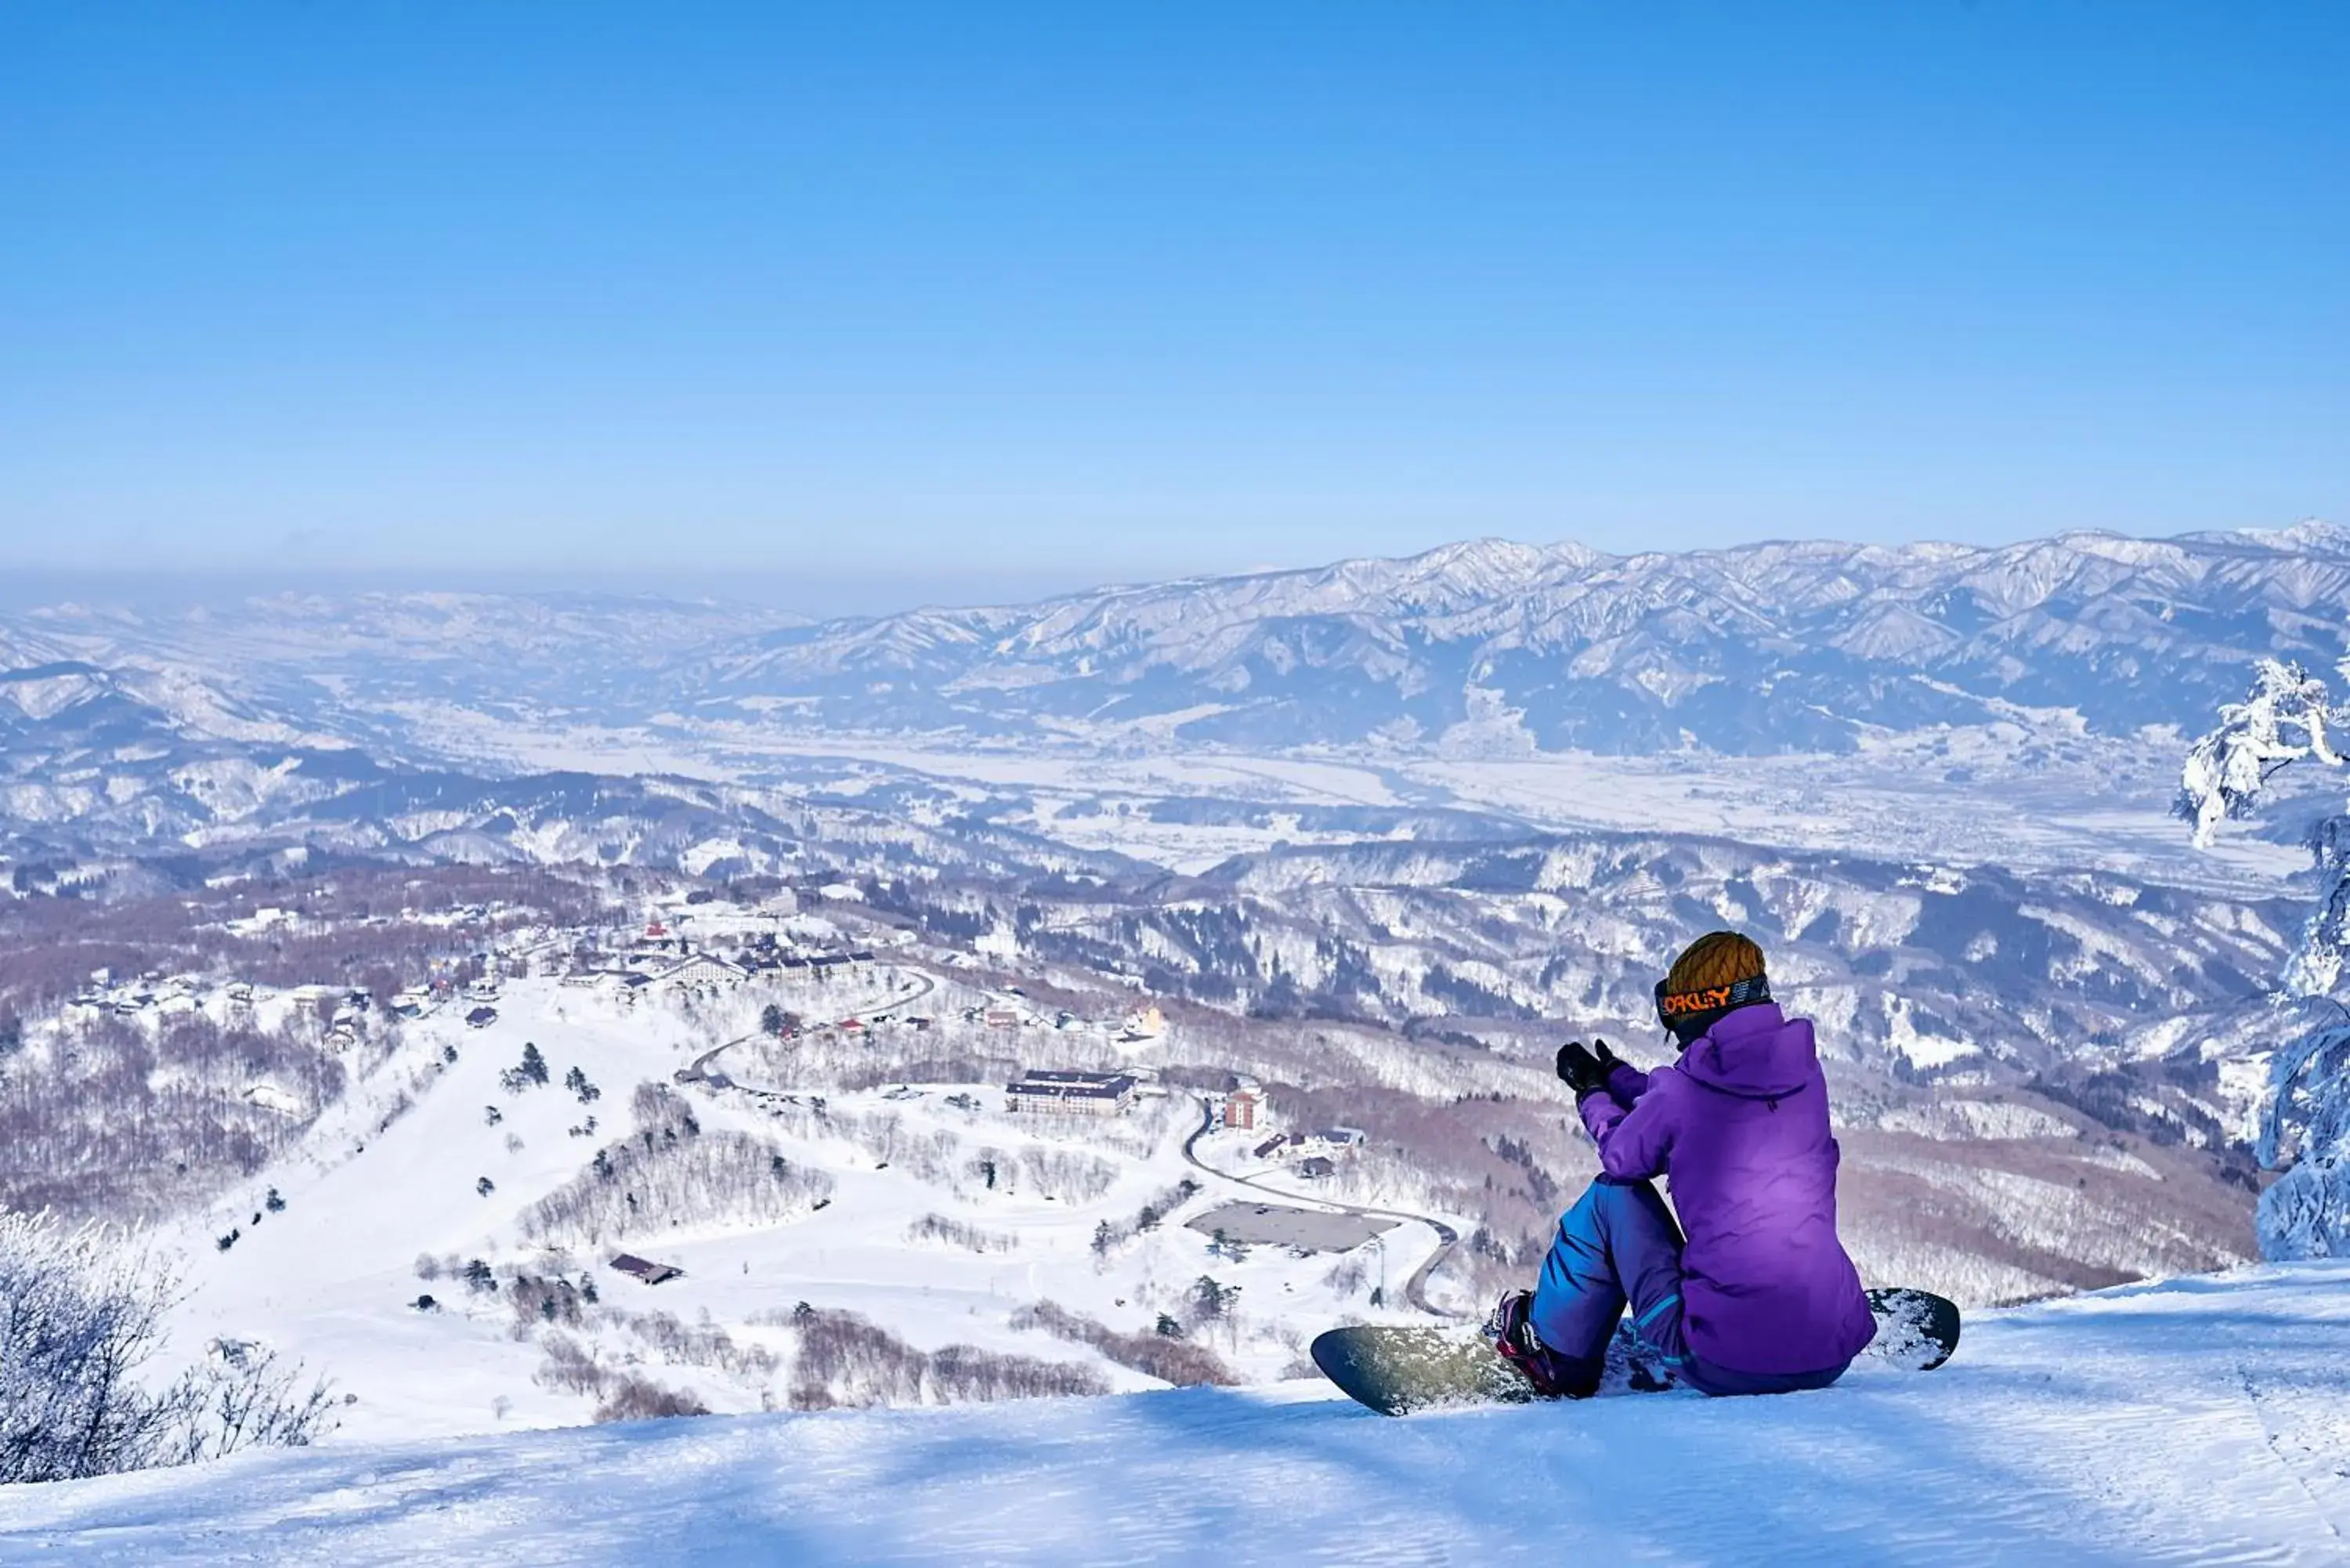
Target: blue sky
(1009, 294)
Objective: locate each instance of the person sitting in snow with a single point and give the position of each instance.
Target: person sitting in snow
(1760, 1297)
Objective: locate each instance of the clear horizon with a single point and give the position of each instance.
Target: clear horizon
(813, 595)
(1025, 302)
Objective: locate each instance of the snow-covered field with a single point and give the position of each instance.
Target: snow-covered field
(1987, 795)
(2202, 1421)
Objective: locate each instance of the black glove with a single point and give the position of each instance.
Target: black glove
(1606, 1059)
(1579, 1070)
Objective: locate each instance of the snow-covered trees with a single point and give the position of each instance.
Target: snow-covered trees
(2287, 718)
(531, 1071)
(81, 1316)
(672, 1173)
(845, 1360)
(2290, 717)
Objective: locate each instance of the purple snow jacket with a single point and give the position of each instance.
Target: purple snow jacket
(1741, 1125)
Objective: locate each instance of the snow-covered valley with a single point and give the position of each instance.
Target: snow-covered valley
(2202, 1420)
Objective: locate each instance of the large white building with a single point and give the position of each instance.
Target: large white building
(703, 969)
(1048, 1093)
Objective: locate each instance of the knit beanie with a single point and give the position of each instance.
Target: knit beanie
(1717, 972)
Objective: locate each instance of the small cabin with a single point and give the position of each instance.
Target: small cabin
(646, 1270)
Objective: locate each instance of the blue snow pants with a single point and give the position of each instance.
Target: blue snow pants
(1618, 1246)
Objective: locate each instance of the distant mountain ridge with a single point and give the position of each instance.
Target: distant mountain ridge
(119, 727)
(1763, 648)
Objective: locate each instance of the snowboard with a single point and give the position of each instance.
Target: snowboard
(1397, 1371)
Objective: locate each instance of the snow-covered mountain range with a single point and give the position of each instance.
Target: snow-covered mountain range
(1764, 647)
(125, 731)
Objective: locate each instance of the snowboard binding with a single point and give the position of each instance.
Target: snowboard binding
(1553, 1377)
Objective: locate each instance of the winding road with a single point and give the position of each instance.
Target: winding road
(1415, 1290)
(698, 1070)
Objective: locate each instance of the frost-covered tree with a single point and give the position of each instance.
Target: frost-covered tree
(2289, 717)
(81, 1320)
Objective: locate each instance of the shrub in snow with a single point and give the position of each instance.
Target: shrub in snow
(2289, 718)
(82, 1317)
(635, 1398)
(1163, 1353)
(656, 1181)
(569, 1367)
(1068, 1176)
(536, 1300)
(844, 1359)
(623, 1394)
(703, 1344)
(955, 1233)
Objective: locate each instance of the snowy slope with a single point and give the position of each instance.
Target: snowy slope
(2204, 1420)
(330, 1279)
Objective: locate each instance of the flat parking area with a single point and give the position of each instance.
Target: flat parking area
(1272, 1225)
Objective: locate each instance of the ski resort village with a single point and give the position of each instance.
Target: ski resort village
(737, 1157)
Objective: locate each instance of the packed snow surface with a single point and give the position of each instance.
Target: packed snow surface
(2202, 1421)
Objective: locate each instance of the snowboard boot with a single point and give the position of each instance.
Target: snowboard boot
(1553, 1376)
